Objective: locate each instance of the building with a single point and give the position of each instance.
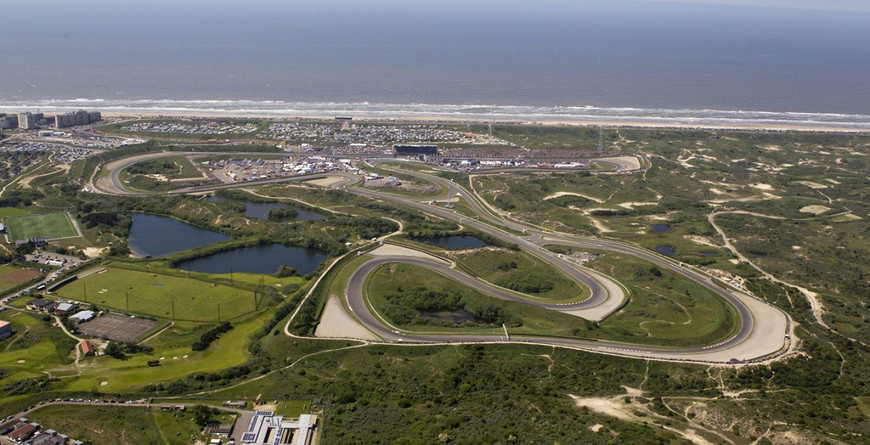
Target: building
(5, 329)
(8, 122)
(65, 307)
(236, 403)
(268, 429)
(405, 150)
(83, 316)
(48, 437)
(28, 121)
(87, 348)
(23, 432)
(221, 430)
(80, 117)
(41, 305)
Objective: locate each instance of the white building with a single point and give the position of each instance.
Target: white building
(268, 429)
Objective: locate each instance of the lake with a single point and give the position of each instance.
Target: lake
(453, 241)
(152, 235)
(659, 228)
(258, 259)
(666, 249)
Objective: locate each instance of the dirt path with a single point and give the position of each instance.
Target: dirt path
(77, 339)
(813, 298)
(25, 182)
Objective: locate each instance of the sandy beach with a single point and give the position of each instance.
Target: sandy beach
(400, 118)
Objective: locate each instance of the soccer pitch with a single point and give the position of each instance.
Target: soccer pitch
(48, 226)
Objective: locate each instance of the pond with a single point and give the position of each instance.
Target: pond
(453, 241)
(258, 259)
(152, 235)
(666, 249)
(659, 228)
(260, 210)
(458, 317)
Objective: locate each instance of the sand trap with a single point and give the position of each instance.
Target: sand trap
(631, 205)
(21, 361)
(104, 383)
(596, 428)
(761, 186)
(796, 247)
(600, 226)
(814, 209)
(336, 323)
(328, 181)
(812, 185)
(558, 194)
(162, 358)
(702, 240)
(94, 252)
(184, 356)
(175, 357)
(847, 217)
(609, 406)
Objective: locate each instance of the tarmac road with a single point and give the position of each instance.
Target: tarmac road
(763, 331)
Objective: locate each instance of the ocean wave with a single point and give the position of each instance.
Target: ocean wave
(579, 113)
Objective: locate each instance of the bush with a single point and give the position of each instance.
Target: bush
(207, 338)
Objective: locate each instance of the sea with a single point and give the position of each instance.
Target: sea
(685, 62)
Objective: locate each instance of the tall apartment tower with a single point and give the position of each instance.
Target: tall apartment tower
(27, 121)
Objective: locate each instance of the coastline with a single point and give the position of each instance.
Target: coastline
(663, 124)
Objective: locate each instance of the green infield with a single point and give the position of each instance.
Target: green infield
(163, 296)
(446, 305)
(49, 226)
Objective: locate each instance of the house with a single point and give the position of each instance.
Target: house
(65, 307)
(87, 348)
(83, 316)
(23, 432)
(41, 305)
(48, 437)
(5, 329)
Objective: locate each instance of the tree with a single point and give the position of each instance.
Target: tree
(202, 415)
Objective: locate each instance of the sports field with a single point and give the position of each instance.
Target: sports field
(160, 295)
(13, 276)
(51, 225)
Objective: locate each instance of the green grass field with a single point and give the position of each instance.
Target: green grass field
(51, 225)
(153, 294)
(34, 348)
(524, 318)
(129, 425)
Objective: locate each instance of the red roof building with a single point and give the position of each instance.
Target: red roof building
(87, 348)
